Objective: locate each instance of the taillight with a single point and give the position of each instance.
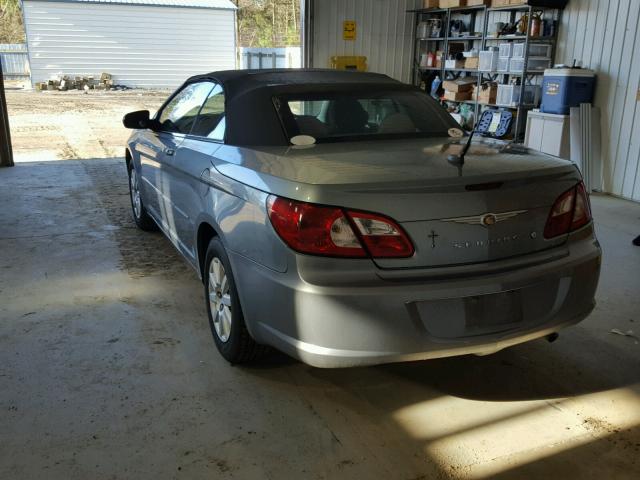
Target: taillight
(383, 237)
(569, 212)
(309, 228)
(329, 231)
(582, 211)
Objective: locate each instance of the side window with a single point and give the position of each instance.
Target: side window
(211, 122)
(179, 115)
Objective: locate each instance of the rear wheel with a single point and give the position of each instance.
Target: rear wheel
(226, 320)
(140, 215)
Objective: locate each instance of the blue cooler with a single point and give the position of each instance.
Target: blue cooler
(563, 88)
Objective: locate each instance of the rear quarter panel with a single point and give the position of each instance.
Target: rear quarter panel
(238, 213)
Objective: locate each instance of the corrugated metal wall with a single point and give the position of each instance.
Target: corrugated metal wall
(15, 61)
(603, 35)
(141, 46)
(384, 33)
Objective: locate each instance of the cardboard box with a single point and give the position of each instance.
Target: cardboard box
(452, 3)
(471, 63)
(487, 93)
(473, 3)
(430, 3)
(460, 85)
(457, 96)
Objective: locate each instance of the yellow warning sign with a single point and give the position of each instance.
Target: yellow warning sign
(349, 30)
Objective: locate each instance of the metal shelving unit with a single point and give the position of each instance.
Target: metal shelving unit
(424, 15)
(485, 40)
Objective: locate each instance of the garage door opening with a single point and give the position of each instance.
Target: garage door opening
(83, 64)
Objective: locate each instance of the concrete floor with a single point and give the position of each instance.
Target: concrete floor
(108, 371)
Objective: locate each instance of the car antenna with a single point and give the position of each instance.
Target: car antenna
(458, 158)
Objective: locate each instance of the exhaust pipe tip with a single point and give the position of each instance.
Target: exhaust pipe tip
(552, 337)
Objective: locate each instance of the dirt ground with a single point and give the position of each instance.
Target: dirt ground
(73, 125)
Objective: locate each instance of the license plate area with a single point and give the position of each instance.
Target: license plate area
(472, 316)
(496, 310)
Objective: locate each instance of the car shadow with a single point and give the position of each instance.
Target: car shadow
(576, 364)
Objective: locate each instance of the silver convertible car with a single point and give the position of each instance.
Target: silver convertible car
(342, 218)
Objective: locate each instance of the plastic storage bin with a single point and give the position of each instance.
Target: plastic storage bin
(507, 94)
(518, 50)
(535, 50)
(510, 95)
(505, 49)
(516, 65)
(503, 64)
(563, 88)
(488, 60)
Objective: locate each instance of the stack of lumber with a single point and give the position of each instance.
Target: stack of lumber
(64, 83)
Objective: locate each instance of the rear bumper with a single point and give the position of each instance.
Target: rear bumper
(340, 313)
(323, 357)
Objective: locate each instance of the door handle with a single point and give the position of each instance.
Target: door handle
(169, 152)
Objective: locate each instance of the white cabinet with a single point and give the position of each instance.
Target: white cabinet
(548, 133)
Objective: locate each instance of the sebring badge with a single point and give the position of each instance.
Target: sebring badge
(487, 243)
(486, 219)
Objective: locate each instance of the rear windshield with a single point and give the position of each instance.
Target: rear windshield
(337, 116)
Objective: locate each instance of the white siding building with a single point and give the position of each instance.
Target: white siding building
(142, 43)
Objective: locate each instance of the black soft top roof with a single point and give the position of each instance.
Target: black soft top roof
(240, 82)
(252, 119)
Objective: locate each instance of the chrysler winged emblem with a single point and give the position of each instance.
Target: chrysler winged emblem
(486, 219)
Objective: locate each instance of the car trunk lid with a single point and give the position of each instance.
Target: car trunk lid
(493, 207)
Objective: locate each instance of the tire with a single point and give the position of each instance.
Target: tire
(139, 212)
(226, 320)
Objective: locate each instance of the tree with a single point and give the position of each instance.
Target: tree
(261, 23)
(268, 23)
(11, 29)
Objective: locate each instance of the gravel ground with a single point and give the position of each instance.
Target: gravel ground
(73, 125)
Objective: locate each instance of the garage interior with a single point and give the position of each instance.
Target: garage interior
(107, 368)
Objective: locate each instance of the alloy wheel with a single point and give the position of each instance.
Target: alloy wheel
(135, 193)
(220, 299)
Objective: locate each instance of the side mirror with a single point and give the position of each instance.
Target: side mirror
(140, 120)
